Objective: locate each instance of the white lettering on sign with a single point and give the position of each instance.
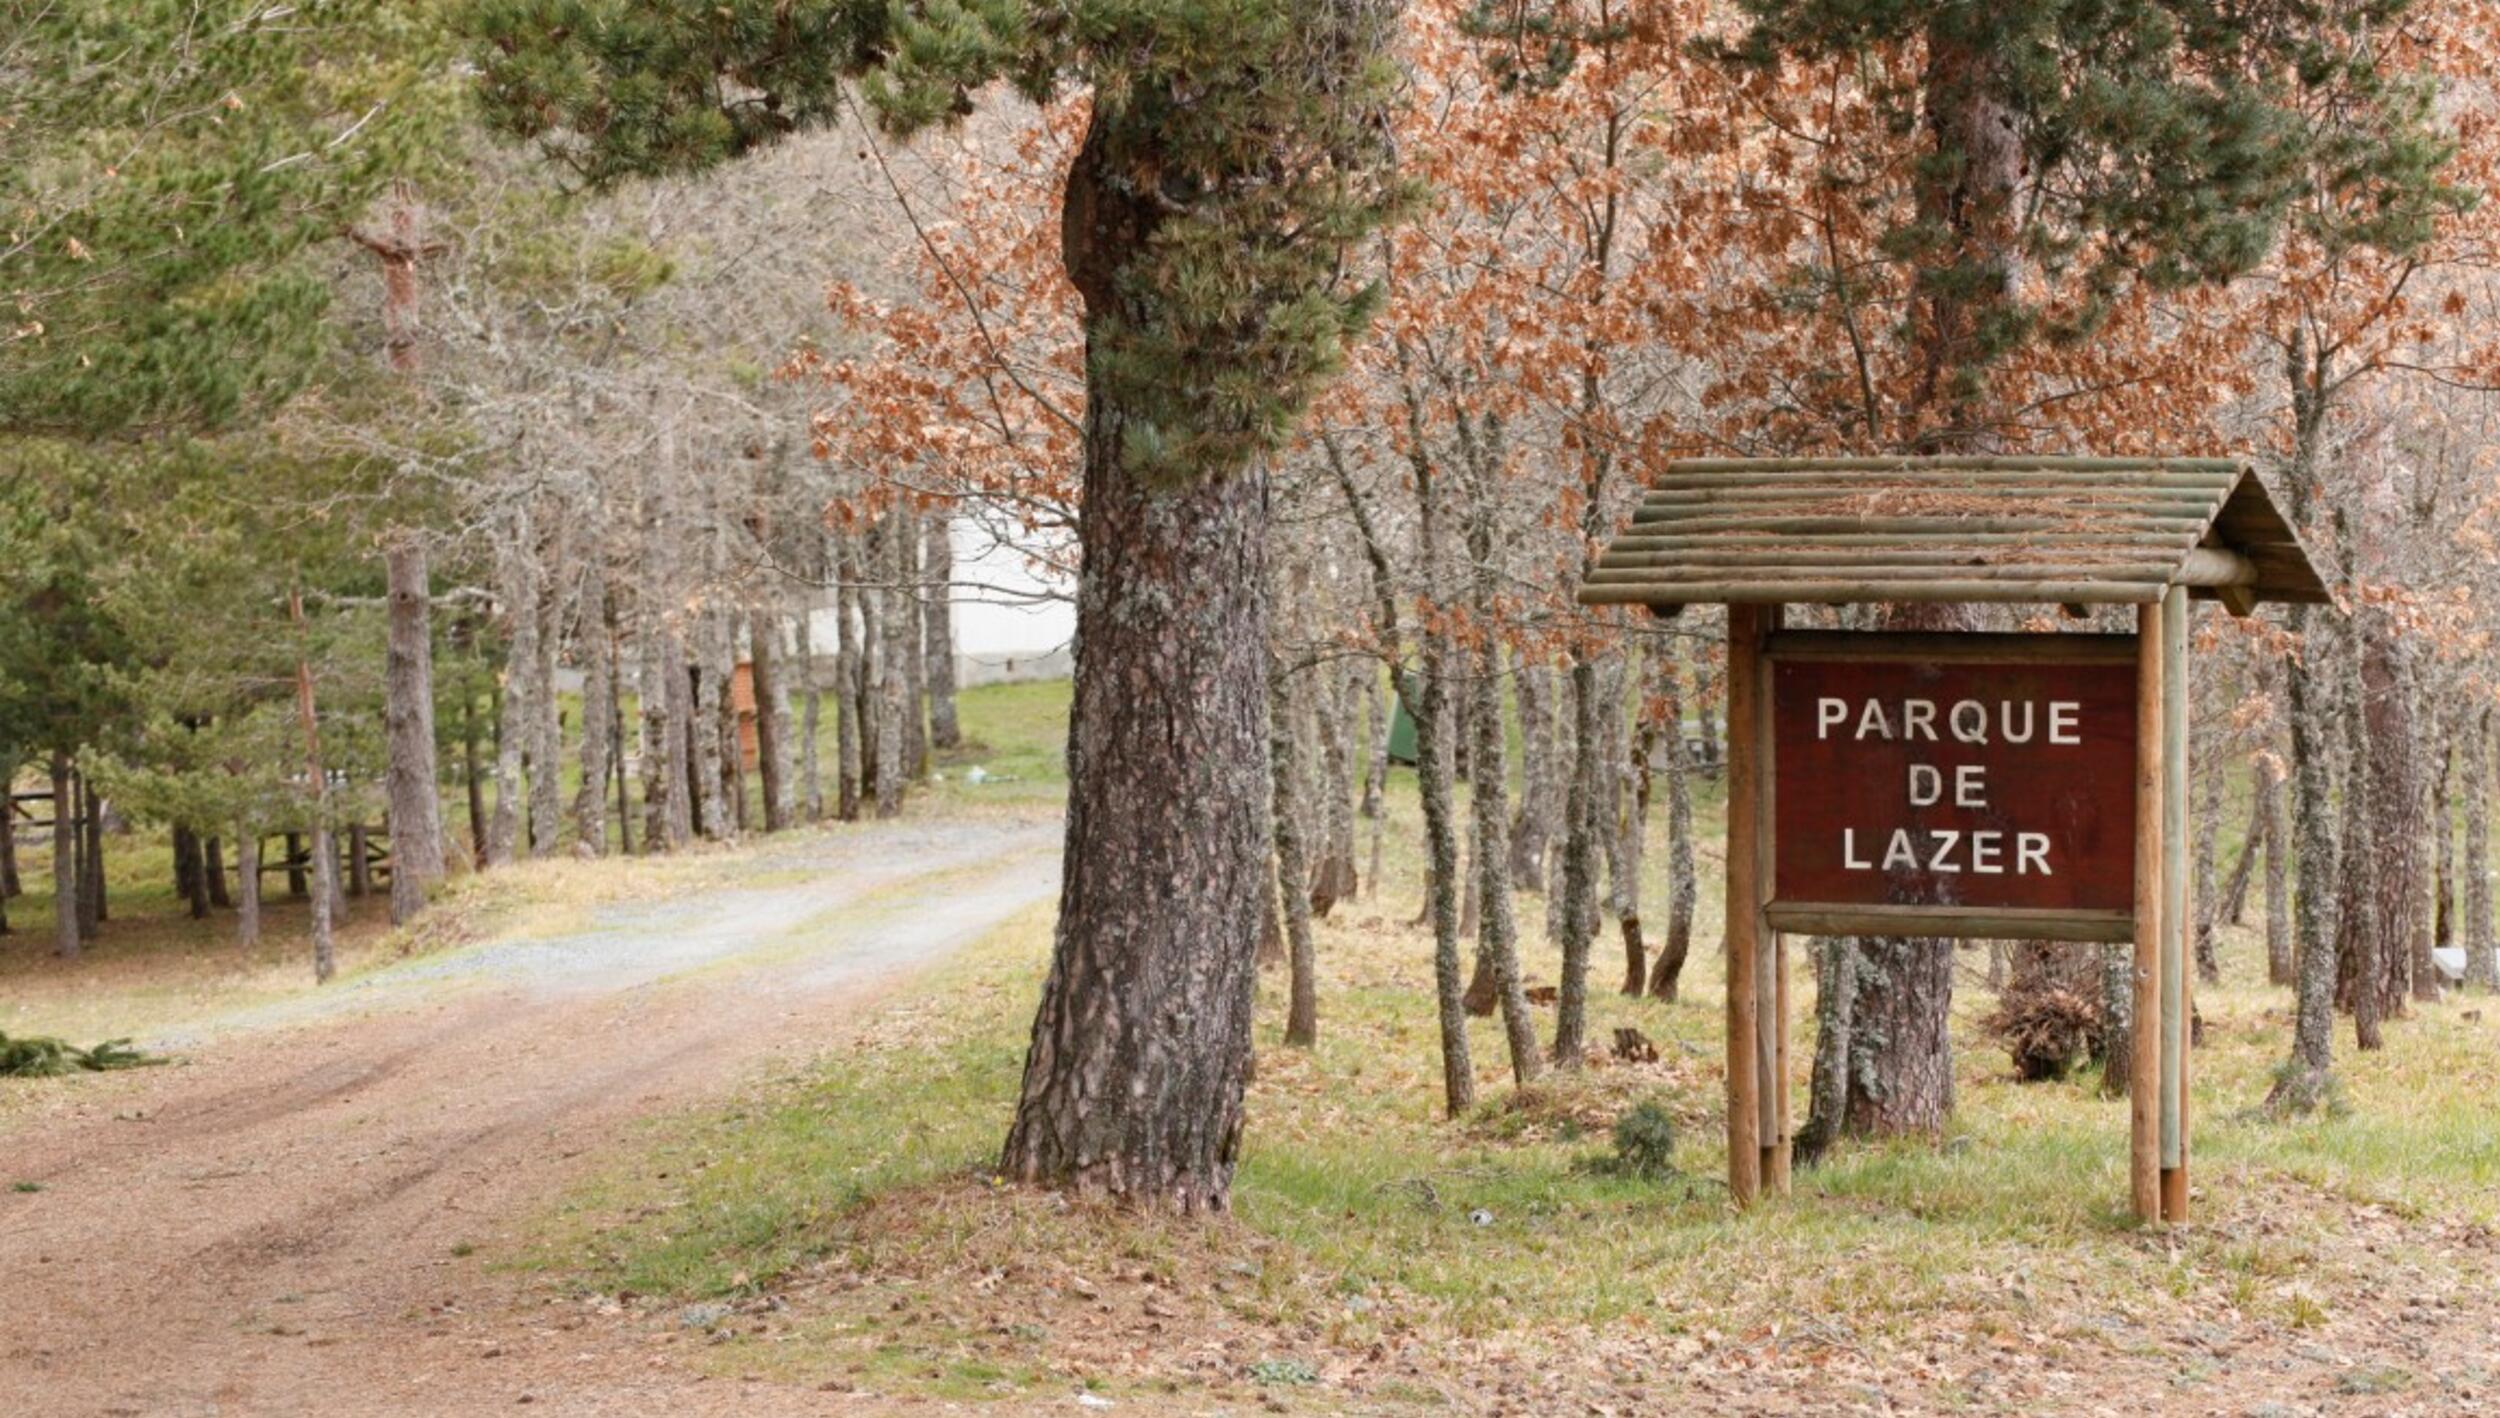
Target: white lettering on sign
(1950, 850)
(1979, 851)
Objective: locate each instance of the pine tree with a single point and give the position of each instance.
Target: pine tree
(1236, 149)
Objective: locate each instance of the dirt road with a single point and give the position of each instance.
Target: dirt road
(294, 1221)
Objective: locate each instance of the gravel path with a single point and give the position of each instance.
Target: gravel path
(284, 1225)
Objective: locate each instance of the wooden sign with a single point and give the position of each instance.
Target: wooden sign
(1960, 785)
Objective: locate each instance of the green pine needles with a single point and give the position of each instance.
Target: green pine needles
(1238, 150)
(40, 1057)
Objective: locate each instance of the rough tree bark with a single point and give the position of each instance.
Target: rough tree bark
(1293, 858)
(1644, 751)
(518, 590)
(597, 639)
(65, 874)
(416, 811)
(1683, 881)
(1141, 1047)
(937, 628)
(772, 717)
(897, 623)
(1540, 775)
(811, 717)
(247, 885)
(2206, 829)
(545, 748)
(2476, 767)
(847, 674)
(2279, 962)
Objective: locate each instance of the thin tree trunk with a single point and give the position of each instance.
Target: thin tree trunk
(711, 691)
(519, 591)
(472, 777)
(937, 628)
(359, 867)
(2480, 970)
(772, 718)
(298, 867)
(2208, 901)
(415, 809)
(191, 872)
(65, 875)
(896, 622)
(1827, 1084)
(1443, 885)
(2117, 1019)
(2279, 962)
(1648, 706)
(93, 909)
(1497, 927)
(811, 716)
(247, 885)
(213, 858)
(544, 748)
(316, 777)
(678, 754)
(1581, 825)
(325, 864)
(2444, 857)
(1378, 715)
(1683, 881)
(1293, 866)
(855, 636)
(662, 781)
(597, 641)
(1540, 814)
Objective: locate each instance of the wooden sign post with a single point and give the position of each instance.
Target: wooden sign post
(1958, 786)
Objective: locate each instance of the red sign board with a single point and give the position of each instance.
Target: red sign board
(1952, 783)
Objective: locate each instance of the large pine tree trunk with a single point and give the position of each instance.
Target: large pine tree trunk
(415, 807)
(1141, 1046)
(937, 628)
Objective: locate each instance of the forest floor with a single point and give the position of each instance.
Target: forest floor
(711, 1136)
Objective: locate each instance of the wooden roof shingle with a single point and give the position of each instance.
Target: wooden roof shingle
(2077, 531)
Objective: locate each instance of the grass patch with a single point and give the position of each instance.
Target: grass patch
(857, 1194)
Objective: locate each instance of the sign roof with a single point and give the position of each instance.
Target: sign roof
(2078, 531)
